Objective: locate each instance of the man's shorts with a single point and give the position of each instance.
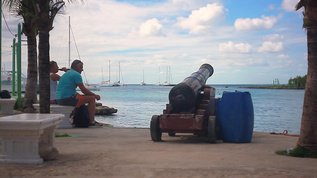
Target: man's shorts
(74, 100)
(53, 102)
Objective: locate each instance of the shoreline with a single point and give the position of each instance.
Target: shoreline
(271, 87)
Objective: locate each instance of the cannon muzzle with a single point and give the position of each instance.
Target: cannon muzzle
(183, 96)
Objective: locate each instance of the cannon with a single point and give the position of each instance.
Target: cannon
(191, 108)
(183, 96)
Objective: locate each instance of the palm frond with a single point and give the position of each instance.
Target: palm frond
(300, 4)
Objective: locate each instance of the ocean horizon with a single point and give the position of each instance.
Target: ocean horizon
(275, 110)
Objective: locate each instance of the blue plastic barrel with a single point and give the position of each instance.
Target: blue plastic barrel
(236, 117)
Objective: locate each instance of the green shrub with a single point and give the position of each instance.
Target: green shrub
(62, 135)
(298, 152)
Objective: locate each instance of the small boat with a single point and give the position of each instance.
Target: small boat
(116, 84)
(159, 83)
(107, 83)
(143, 83)
(92, 87)
(166, 84)
(168, 77)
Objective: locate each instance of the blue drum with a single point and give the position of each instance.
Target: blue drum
(236, 117)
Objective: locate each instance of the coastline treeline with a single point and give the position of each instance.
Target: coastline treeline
(297, 82)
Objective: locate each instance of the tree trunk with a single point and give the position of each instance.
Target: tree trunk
(308, 131)
(31, 85)
(44, 71)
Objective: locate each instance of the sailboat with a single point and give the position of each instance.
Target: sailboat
(143, 83)
(168, 77)
(159, 83)
(107, 83)
(117, 84)
(91, 87)
(120, 73)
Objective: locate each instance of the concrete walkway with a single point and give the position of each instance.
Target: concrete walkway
(125, 152)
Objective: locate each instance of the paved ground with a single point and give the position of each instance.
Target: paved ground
(118, 152)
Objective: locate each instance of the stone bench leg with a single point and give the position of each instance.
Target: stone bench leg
(7, 106)
(47, 149)
(59, 109)
(66, 110)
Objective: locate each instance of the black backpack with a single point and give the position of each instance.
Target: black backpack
(81, 117)
(5, 94)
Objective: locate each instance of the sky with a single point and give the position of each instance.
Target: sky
(246, 41)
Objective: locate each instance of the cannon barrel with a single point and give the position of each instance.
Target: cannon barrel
(183, 96)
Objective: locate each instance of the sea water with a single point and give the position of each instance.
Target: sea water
(275, 110)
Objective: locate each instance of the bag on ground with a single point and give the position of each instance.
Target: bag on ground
(5, 94)
(81, 117)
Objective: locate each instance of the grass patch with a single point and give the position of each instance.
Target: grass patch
(298, 152)
(62, 135)
(282, 152)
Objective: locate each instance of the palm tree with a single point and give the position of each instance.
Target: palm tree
(47, 12)
(29, 28)
(28, 11)
(308, 131)
(41, 13)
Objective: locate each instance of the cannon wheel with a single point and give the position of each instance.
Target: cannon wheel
(211, 132)
(156, 133)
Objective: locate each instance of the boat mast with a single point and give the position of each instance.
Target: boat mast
(103, 79)
(166, 74)
(159, 76)
(119, 72)
(169, 74)
(68, 41)
(109, 71)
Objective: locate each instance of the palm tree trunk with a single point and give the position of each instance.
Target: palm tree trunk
(31, 86)
(308, 131)
(44, 71)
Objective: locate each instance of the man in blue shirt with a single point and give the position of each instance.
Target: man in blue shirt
(66, 91)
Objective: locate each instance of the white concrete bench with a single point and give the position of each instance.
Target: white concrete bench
(28, 138)
(60, 109)
(7, 105)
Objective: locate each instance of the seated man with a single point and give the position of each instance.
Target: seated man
(66, 91)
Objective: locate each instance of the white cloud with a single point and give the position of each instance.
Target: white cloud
(255, 24)
(202, 19)
(238, 48)
(151, 27)
(289, 5)
(273, 37)
(269, 46)
(283, 56)
(185, 4)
